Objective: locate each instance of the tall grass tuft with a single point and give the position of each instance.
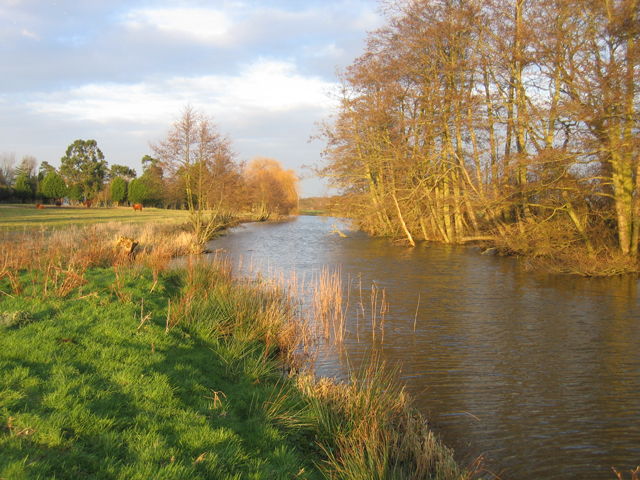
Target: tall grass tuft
(327, 306)
(368, 429)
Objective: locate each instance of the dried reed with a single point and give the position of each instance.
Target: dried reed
(635, 474)
(368, 429)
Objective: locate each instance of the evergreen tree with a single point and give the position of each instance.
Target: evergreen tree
(53, 186)
(125, 172)
(138, 191)
(84, 165)
(22, 188)
(118, 190)
(76, 193)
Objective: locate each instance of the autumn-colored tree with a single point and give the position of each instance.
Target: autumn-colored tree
(512, 121)
(273, 191)
(192, 154)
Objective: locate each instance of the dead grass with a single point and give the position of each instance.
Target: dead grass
(578, 262)
(57, 260)
(554, 247)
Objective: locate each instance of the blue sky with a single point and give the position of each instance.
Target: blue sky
(119, 72)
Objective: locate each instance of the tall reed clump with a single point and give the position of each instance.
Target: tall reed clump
(217, 305)
(368, 429)
(362, 429)
(365, 428)
(327, 306)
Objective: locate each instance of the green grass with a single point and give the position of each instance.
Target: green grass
(86, 393)
(19, 217)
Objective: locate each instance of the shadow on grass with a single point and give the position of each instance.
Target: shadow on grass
(85, 394)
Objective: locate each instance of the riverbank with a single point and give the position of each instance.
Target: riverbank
(551, 249)
(483, 343)
(118, 364)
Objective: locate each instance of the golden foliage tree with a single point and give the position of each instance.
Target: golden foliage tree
(495, 120)
(273, 191)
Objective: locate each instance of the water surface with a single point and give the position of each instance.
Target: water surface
(539, 374)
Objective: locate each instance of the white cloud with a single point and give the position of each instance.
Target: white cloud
(202, 23)
(265, 86)
(121, 71)
(330, 50)
(273, 85)
(29, 34)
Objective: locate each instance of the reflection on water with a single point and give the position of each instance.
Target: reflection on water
(539, 374)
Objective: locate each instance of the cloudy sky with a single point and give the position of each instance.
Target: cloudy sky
(119, 72)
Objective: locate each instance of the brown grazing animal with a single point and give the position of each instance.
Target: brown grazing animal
(58, 203)
(40, 206)
(87, 203)
(137, 206)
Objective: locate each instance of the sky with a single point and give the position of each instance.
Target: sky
(120, 72)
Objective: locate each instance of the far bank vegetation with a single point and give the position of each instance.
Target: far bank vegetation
(193, 167)
(510, 123)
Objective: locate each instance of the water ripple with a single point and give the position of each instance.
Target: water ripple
(539, 374)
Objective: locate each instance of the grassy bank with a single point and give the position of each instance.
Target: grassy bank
(90, 389)
(119, 367)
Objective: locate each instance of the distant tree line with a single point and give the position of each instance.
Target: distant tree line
(514, 122)
(193, 167)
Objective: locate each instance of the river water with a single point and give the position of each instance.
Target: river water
(538, 374)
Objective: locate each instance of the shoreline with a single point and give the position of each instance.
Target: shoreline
(574, 262)
(577, 261)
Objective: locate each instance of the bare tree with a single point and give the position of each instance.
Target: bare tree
(28, 167)
(7, 164)
(189, 154)
(511, 120)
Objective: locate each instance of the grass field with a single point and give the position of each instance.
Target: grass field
(93, 386)
(19, 217)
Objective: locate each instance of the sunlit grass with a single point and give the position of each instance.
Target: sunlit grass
(19, 217)
(88, 387)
